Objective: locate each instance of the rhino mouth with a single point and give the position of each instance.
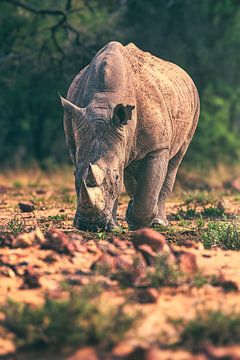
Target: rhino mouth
(94, 224)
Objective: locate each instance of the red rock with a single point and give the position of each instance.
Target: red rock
(223, 352)
(133, 267)
(120, 243)
(148, 253)
(105, 261)
(154, 354)
(35, 237)
(86, 353)
(105, 246)
(187, 261)
(58, 241)
(147, 296)
(124, 262)
(122, 350)
(149, 237)
(26, 206)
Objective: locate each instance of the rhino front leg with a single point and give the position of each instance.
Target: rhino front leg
(143, 207)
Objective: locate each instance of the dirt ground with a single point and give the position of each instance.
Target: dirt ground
(54, 205)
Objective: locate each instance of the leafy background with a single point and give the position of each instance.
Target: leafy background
(45, 44)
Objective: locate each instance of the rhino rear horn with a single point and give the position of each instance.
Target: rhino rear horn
(95, 175)
(71, 108)
(91, 198)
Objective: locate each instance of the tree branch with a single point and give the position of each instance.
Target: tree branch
(34, 10)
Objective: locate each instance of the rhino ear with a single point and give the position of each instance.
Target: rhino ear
(122, 113)
(71, 108)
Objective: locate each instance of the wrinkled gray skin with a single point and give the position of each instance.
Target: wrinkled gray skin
(128, 117)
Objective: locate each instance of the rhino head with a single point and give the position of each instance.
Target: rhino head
(96, 137)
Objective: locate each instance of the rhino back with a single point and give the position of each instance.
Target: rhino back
(167, 101)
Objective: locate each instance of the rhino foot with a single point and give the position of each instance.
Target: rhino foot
(160, 221)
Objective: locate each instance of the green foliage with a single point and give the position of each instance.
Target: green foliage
(199, 198)
(206, 35)
(57, 218)
(16, 225)
(223, 234)
(164, 273)
(42, 52)
(200, 204)
(78, 320)
(200, 280)
(216, 327)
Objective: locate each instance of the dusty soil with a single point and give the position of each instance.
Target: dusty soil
(54, 206)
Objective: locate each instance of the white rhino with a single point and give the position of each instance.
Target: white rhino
(129, 116)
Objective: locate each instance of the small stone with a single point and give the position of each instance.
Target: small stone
(147, 296)
(134, 268)
(58, 241)
(105, 262)
(119, 243)
(35, 237)
(26, 206)
(223, 352)
(148, 253)
(105, 246)
(150, 237)
(86, 353)
(124, 262)
(51, 258)
(122, 350)
(30, 279)
(6, 271)
(187, 261)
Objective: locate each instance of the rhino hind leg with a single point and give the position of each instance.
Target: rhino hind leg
(168, 184)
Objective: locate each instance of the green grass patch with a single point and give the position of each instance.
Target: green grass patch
(200, 204)
(15, 226)
(223, 234)
(215, 327)
(78, 320)
(165, 274)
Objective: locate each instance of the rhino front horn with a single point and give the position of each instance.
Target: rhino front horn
(95, 175)
(91, 198)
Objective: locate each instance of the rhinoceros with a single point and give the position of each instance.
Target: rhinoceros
(129, 118)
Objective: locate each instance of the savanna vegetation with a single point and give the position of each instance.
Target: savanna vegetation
(44, 45)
